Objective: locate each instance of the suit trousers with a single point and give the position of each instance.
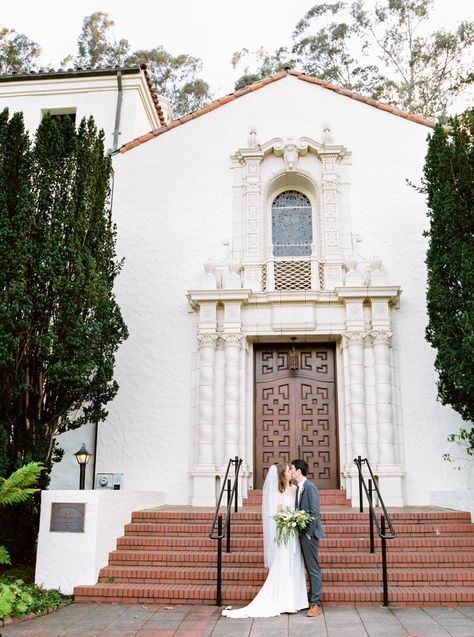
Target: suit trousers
(310, 554)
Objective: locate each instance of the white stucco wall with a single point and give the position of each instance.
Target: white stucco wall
(65, 560)
(88, 95)
(174, 208)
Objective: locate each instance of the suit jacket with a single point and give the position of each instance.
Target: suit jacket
(309, 501)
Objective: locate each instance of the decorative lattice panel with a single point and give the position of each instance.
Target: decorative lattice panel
(292, 275)
(264, 277)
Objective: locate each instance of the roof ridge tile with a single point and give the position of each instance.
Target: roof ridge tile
(245, 90)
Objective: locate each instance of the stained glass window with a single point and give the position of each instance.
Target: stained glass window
(292, 230)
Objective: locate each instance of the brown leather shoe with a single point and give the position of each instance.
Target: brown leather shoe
(314, 611)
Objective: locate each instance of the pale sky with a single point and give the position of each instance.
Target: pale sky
(209, 29)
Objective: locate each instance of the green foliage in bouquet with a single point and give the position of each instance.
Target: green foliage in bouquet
(290, 522)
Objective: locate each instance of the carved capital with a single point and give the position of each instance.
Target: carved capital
(381, 337)
(355, 337)
(207, 340)
(233, 339)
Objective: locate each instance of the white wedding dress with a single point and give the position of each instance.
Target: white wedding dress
(284, 590)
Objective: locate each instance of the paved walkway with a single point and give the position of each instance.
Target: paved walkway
(138, 620)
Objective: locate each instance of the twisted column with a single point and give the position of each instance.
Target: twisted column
(381, 340)
(232, 345)
(355, 343)
(205, 426)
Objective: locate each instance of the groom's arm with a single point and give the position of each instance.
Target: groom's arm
(314, 510)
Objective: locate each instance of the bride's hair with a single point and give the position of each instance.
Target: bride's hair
(282, 477)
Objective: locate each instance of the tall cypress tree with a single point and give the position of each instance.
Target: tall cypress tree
(449, 184)
(60, 324)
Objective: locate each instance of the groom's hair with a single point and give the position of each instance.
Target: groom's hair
(301, 465)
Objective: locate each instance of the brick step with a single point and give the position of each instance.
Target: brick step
(428, 543)
(346, 559)
(341, 529)
(433, 543)
(249, 556)
(255, 517)
(333, 595)
(256, 576)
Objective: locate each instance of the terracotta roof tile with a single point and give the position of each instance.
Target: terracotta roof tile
(268, 80)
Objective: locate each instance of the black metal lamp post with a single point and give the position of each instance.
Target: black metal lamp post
(82, 457)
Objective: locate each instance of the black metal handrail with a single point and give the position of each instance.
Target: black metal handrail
(373, 519)
(223, 530)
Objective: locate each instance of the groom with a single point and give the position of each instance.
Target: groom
(307, 498)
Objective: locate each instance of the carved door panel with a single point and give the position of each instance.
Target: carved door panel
(295, 412)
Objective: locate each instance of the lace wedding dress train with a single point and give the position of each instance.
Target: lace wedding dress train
(284, 590)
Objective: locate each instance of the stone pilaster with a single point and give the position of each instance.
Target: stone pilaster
(331, 248)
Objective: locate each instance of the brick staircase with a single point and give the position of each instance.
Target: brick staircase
(166, 557)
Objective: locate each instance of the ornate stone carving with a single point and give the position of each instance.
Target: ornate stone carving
(381, 337)
(253, 138)
(233, 340)
(378, 275)
(208, 280)
(291, 150)
(353, 276)
(355, 337)
(232, 277)
(327, 135)
(207, 340)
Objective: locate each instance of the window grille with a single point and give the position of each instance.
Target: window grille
(292, 231)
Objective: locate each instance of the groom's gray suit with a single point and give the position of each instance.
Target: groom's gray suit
(309, 501)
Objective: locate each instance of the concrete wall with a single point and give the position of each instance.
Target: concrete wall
(67, 559)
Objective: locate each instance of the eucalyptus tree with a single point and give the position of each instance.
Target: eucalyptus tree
(17, 52)
(173, 76)
(386, 53)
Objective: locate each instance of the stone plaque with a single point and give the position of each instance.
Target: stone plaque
(67, 517)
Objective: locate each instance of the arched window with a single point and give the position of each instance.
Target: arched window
(292, 230)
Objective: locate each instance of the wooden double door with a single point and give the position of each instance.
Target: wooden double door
(295, 411)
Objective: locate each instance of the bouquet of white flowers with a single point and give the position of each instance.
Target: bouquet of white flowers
(290, 522)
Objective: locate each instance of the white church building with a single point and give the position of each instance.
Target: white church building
(273, 286)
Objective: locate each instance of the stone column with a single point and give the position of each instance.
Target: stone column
(205, 433)
(370, 402)
(354, 341)
(232, 344)
(387, 466)
(204, 466)
(383, 387)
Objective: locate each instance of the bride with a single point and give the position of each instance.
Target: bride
(284, 590)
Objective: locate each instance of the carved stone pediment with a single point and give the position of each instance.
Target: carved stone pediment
(291, 149)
